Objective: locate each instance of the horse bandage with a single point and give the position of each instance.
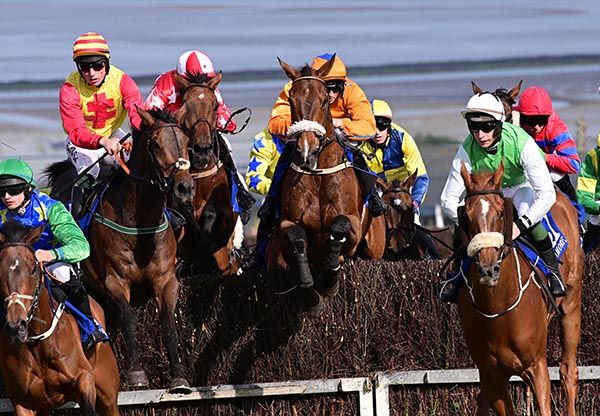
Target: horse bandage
(306, 125)
(484, 240)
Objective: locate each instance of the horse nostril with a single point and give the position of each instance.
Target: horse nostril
(183, 189)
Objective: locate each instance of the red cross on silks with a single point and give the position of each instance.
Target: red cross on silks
(99, 111)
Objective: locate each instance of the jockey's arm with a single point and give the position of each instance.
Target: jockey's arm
(454, 189)
(564, 158)
(73, 121)
(224, 114)
(262, 155)
(538, 176)
(587, 182)
(131, 98)
(158, 97)
(73, 246)
(360, 123)
(414, 163)
(281, 116)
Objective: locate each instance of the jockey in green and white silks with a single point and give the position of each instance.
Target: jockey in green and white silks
(61, 244)
(526, 177)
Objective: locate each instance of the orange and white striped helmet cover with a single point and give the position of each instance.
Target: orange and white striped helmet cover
(90, 43)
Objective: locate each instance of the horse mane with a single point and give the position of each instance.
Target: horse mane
(502, 94)
(163, 115)
(306, 70)
(197, 78)
(56, 169)
(14, 231)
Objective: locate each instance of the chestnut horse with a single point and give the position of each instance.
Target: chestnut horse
(503, 311)
(133, 246)
(401, 229)
(322, 210)
(42, 361)
(209, 231)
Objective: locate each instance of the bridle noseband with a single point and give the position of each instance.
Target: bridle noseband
(16, 298)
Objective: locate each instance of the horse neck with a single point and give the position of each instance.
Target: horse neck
(140, 203)
(332, 155)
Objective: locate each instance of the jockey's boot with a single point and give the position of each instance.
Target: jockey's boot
(79, 193)
(175, 219)
(591, 237)
(376, 205)
(426, 241)
(78, 297)
(555, 282)
(243, 197)
(266, 212)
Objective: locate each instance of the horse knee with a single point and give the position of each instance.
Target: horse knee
(297, 239)
(340, 227)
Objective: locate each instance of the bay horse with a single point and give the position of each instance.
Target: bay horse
(322, 210)
(208, 239)
(503, 311)
(133, 245)
(42, 361)
(401, 229)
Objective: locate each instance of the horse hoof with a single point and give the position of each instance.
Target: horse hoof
(137, 378)
(180, 386)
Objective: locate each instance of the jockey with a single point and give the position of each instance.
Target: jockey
(526, 178)
(588, 193)
(352, 117)
(94, 101)
(165, 96)
(62, 243)
(552, 135)
(264, 155)
(395, 156)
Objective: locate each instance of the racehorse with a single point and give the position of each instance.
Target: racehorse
(209, 232)
(42, 361)
(507, 97)
(503, 311)
(133, 246)
(401, 229)
(322, 210)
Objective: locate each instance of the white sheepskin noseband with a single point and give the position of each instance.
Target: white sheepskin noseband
(484, 240)
(306, 125)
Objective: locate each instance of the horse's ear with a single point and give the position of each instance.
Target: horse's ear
(466, 176)
(410, 181)
(34, 235)
(181, 83)
(146, 117)
(289, 70)
(498, 176)
(325, 68)
(476, 88)
(515, 90)
(214, 81)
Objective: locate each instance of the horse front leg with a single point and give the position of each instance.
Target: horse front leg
(22, 411)
(495, 395)
(329, 282)
(87, 393)
(166, 298)
(295, 254)
(538, 378)
(136, 376)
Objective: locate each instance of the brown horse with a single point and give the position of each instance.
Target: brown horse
(133, 246)
(503, 311)
(323, 216)
(401, 229)
(507, 97)
(208, 237)
(42, 361)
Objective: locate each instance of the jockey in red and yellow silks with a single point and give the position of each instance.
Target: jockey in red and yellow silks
(93, 103)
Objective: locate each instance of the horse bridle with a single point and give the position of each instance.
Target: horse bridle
(16, 297)
(407, 231)
(161, 182)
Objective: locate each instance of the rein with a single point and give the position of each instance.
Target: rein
(15, 298)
